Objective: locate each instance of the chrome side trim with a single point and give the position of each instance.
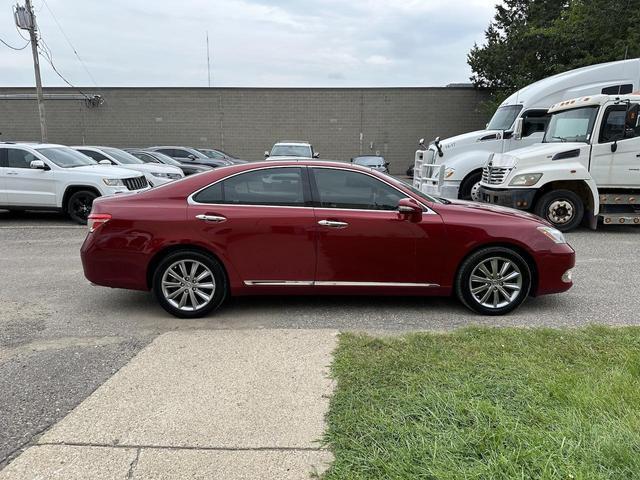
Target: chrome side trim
(309, 283)
(374, 284)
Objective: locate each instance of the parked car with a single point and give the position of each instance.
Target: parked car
(372, 161)
(310, 227)
(54, 177)
(156, 174)
(190, 156)
(157, 157)
(220, 155)
(289, 150)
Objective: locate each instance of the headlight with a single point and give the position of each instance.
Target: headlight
(113, 182)
(525, 180)
(174, 176)
(160, 174)
(448, 172)
(553, 233)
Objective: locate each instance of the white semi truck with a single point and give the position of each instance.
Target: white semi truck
(452, 168)
(586, 168)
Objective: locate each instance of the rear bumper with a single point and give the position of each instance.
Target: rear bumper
(521, 198)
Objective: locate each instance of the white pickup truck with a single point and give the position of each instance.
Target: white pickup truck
(452, 167)
(586, 168)
(55, 177)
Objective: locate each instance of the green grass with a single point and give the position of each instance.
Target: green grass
(487, 404)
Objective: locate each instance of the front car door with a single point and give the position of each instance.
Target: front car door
(363, 241)
(262, 223)
(620, 130)
(28, 186)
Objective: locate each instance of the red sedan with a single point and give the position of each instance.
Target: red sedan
(310, 227)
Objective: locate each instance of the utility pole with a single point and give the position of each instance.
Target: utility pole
(208, 64)
(26, 20)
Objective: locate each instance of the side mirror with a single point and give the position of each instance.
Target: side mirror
(614, 146)
(517, 131)
(38, 165)
(409, 207)
(192, 157)
(104, 161)
(266, 154)
(316, 155)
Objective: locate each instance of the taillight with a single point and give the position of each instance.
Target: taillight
(96, 220)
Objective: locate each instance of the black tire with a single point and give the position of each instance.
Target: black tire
(463, 283)
(79, 205)
(220, 283)
(466, 187)
(564, 209)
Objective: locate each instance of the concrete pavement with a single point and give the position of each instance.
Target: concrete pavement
(202, 404)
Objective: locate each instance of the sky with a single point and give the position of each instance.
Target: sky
(253, 43)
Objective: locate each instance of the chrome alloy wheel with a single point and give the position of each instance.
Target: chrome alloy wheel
(560, 211)
(188, 285)
(495, 282)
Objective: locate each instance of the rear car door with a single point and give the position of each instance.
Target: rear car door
(3, 183)
(262, 222)
(28, 186)
(363, 239)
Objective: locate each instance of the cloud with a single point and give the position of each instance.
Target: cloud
(254, 42)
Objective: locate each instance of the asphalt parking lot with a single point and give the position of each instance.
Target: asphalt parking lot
(60, 337)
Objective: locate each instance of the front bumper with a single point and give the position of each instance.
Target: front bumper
(521, 198)
(446, 190)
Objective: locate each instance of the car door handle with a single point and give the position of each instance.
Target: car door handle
(12, 173)
(211, 218)
(333, 224)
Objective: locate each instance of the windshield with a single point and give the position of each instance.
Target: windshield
(212, 153)
(573, 125)
(369, 160)
(122, 157)
(166, 159)
(66, 157)
(291, 151)
(418, 193)
(504, 117)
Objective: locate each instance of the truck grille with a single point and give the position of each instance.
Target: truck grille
(135, 183)
(494, 175)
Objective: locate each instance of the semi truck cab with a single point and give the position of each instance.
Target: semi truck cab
(586, 168)
(452, 167)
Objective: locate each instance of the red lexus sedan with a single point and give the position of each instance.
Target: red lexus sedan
(311, 227)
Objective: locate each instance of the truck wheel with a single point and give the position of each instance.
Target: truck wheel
(79, 205)
(493, 281)
(562, 208)
(469, 190)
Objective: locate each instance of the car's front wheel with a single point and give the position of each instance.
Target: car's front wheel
(189, 284)
(79, 205)
(493, 281)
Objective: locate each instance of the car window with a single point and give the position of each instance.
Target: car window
(3, 157)
(284, 150)
(179, 153)
(18, 158)
(534, 121)
(615, 126)
(346, 189)
(271, 186)
(95, 155)
(167, 151)
(145, 157)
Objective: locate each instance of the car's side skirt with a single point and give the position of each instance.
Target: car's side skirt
(308, 283)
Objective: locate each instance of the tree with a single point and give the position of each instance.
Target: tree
(532, 39)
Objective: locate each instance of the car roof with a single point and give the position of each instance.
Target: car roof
(32, 144)
(305, 144)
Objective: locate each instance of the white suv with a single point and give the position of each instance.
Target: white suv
(55, 177)
(291, 151)
(156, 173)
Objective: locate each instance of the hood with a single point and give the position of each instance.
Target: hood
(491, 209)
(469, 139)
(534, 153)
(152, 168)
(107, 171)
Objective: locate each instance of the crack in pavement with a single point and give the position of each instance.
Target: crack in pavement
(184, 447)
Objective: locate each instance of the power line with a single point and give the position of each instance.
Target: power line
(45, 52)
(55, 19)
(15, 48)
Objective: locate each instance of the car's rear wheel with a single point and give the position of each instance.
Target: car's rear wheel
(493, 281)
(79, 205)
(562, 208)
(189, 284)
